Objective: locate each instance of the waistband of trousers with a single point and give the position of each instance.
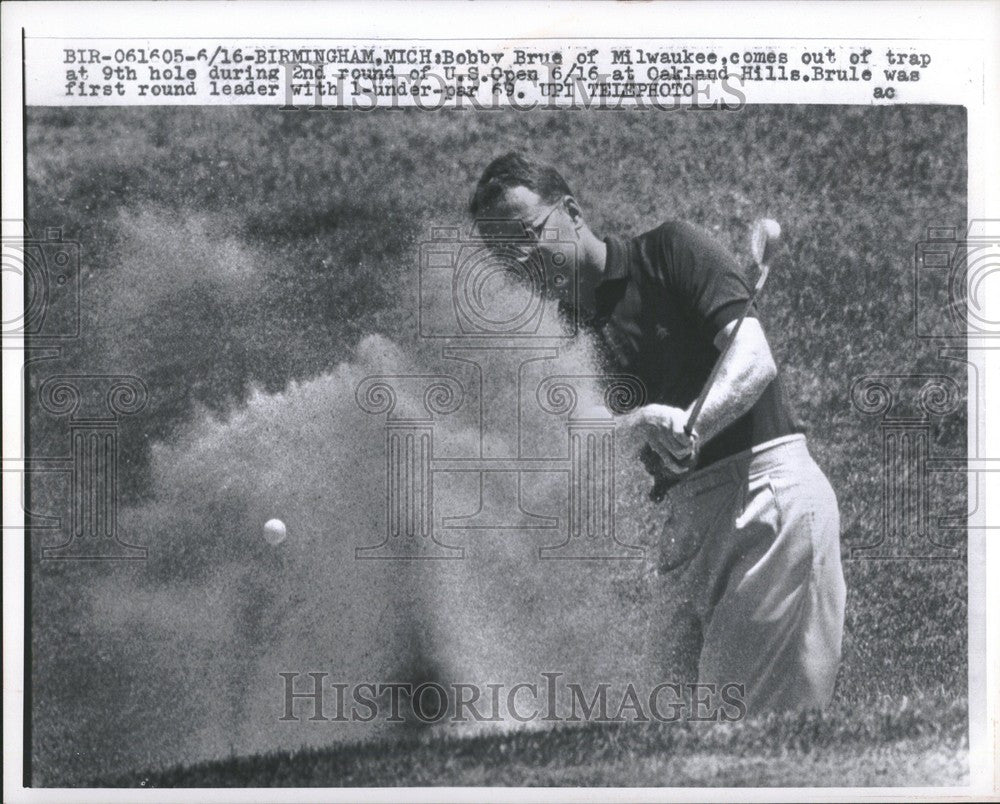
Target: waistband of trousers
(757, 460)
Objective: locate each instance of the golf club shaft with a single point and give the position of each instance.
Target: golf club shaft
(700, 402)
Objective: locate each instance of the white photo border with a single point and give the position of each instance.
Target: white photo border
(974, 24)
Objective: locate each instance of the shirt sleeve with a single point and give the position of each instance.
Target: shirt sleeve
(706, 275)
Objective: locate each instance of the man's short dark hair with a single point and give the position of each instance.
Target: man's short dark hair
(514, 169)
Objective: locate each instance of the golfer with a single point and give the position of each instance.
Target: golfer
(751, 589)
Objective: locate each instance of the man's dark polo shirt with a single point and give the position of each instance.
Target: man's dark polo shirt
(665, 296)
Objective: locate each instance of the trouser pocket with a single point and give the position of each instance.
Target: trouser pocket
(699, 514)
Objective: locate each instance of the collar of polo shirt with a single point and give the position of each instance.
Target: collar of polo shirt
(616, 261)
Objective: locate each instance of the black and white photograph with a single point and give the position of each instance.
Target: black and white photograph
(370, 441)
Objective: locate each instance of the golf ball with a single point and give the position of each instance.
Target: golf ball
(274, 531)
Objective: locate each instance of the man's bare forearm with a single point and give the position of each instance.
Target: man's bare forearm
(747, 370)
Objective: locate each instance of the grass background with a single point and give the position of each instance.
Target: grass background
(227, 250)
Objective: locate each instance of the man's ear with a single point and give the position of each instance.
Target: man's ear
(573, 210)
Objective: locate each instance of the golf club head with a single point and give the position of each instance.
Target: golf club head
(764, 236)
